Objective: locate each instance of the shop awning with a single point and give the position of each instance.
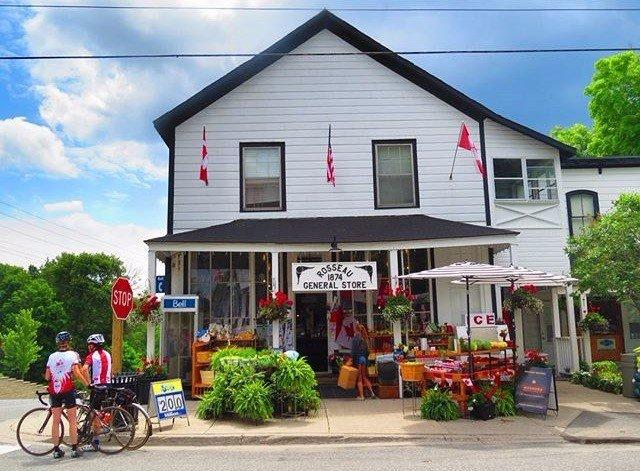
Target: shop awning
(350, 232)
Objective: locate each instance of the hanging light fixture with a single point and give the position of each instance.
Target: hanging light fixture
(334, 246)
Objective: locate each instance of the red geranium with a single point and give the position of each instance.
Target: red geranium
(275, 307)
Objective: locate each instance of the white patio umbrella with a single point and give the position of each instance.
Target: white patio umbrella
(467, 273)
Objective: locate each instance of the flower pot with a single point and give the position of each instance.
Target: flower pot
(483, 411)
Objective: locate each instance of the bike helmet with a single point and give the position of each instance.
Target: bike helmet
(63, 336)
(97, 339)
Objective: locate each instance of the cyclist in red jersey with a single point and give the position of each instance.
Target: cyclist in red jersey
(62, 366)
(97, 368)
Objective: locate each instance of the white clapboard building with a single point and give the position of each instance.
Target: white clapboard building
(394, 128)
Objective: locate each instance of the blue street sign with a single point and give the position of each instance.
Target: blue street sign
(180, 303)
(160, 284)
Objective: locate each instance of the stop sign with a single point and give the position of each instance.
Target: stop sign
(121, 298)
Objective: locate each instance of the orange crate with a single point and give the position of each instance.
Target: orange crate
(412, 371)
(204, 356)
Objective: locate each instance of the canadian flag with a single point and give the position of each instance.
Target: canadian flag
(465, 142)
(204, 175)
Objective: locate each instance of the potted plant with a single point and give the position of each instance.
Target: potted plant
(482, 403)
(524, 297)
(535, 358)
(439, 405)
(146, 308)
(275, 308)
(397, 305)
(594, 322)
(152, 369)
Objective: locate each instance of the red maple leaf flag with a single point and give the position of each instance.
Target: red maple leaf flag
(204, 175)
(331, 170)
(465, 142)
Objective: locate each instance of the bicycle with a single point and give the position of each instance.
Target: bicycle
(116, 428)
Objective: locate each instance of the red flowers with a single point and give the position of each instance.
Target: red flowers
(531, 289)
(385, 291)
(153, 366)
(275, 307)
(150, 304)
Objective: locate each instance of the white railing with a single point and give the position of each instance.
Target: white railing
(563, 355)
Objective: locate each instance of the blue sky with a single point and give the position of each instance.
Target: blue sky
(80, 134)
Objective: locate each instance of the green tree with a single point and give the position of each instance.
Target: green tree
(614, 107)
(606, 255)
(82, 283)
(19, 344)
(11, 279)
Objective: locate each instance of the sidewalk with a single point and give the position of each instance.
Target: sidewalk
(585, 416)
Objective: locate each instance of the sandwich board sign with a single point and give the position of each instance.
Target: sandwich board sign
(533, 389)
(166, 400)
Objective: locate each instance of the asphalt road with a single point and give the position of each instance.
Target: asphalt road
(368, 457)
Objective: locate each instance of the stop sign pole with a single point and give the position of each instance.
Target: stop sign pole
(121, 305)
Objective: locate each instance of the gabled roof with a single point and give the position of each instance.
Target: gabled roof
(346, 229)
(601, 162)
(166, 123)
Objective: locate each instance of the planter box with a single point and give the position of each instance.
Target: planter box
(484, 411)
(144, 382)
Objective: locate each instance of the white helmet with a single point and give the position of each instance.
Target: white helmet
(98, 339)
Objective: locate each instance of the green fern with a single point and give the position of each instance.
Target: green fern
(439, 405)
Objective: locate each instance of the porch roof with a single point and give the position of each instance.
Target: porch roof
(322, 230)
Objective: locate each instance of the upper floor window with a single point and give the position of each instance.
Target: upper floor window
(525, 179)
(395, 174)
(582, 209)
(262, 178)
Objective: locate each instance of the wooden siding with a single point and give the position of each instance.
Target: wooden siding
(609, 184)
(542, 225)
(293, 101)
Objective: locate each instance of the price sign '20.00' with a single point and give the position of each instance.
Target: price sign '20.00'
(167, 398)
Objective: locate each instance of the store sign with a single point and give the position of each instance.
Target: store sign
(532, 392)
(334, 276)
(166, 399)
(483, 319)
(180, 303)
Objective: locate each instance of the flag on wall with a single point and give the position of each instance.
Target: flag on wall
(465, 142)
(331, 170)
(204, 175)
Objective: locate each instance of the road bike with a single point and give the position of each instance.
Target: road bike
(112, 425)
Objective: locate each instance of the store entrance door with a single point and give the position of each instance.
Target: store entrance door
(311, 329)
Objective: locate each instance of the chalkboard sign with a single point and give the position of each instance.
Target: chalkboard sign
(534, 387)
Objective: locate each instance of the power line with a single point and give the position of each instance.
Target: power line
(315, 9)
(97, 239)
(179, 55)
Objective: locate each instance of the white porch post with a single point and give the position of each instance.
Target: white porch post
(573, 336)
(151, 331)
(519, 334)
(555, 315)
(393, 280)
(275, 286)
(586, 339)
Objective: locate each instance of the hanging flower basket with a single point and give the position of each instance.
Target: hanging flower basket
(594, 322)
(146, 308)
(275, 308)
(524, 298)
(397, 305)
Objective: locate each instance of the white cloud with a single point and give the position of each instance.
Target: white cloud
(73, 206)
(116, 196)
(32, 241)
(26, 145)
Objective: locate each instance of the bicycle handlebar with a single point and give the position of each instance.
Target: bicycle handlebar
(40, 394)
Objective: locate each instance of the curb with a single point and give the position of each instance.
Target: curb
(586, 440)
(248, 440)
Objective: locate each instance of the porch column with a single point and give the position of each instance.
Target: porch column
(151, 331)
(573, 336)
(394, 282)
(555, 317)
(275, 286)
(519, 334)
(586, 338)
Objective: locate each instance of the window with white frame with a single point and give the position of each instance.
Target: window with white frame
(395, 174)
(262, 181)
(525, 179)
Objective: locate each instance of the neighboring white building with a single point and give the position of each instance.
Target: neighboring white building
(394, 128)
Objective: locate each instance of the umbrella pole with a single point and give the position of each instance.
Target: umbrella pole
(470, 357)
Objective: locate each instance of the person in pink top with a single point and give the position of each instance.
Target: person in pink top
(97, 368)
(62, 366)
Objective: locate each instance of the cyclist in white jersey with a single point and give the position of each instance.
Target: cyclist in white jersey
(97, 368)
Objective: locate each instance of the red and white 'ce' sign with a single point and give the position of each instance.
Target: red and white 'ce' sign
(121, 298)
(483, 319)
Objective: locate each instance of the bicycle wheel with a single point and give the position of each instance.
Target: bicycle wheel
(84, 424)
(34, 431)
(118, 429)
(143, 427)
